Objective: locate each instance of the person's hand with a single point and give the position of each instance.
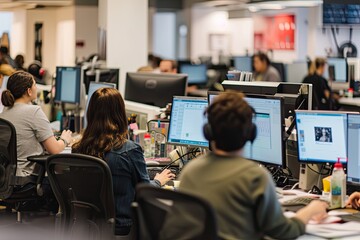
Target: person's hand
(66, 135)
(164, 176)
(316, 210)
(354, 200)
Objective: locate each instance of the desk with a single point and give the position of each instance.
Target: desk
(350, 104)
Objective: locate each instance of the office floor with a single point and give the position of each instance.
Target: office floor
(39, 226)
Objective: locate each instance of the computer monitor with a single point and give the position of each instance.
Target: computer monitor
(321, 136)
(154, 89)
(197, 73)
(144, 112)
(353, 140)
(92, 88)
(107, 75)
(187, 120)
(67, 84)
(268, 147)
(296, 95)
(296, 71)
(337, 70)
(243, 63)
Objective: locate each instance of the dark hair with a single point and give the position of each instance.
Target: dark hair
(230, 118)
(4, 50)
(19, 60)
(263, 58)
(107, 124)
(316, 64)
(18, 83)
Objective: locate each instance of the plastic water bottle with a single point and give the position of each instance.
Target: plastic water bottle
(338, 186)
(147, 145)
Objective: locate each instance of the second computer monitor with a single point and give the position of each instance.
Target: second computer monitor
(353, 168)
(154, 89)
(322, 136)
(92, 88)
(197, 73)
(67, 85)
(187, 120)
(268, 147)
(243, 63)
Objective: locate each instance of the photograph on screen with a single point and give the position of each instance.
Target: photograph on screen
(323, 134)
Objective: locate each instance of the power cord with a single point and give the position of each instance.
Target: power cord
(179, 158)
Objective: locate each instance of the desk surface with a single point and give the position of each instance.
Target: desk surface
(355, 102)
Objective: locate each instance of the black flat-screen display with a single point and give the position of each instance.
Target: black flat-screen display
(341, 12)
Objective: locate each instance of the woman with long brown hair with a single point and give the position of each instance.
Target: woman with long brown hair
(106, 137)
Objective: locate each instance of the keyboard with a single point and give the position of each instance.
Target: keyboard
(299, 201)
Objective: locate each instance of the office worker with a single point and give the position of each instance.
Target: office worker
(263, 69)
(321, 90)
(168, 66)
(106, 137)
(242, 193)
(33, 130)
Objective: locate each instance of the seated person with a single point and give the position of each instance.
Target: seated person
(323, 99)
(242, 194)
(168, 66)
(105, 137)
(1, 90)
(354, 200)
(33, 130)
(263, 69)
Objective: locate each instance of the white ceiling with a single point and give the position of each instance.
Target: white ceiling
(28, 4)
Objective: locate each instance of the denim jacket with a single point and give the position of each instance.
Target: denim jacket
(128, 168)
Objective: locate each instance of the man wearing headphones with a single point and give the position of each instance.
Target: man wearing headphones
(242, 194)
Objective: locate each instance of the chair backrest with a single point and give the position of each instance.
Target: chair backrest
(8, 157)
(280, 67)
(83, 187)
(164, 214)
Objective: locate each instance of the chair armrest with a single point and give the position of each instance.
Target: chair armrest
(41, 161)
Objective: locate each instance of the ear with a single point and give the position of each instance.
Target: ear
(29, 92)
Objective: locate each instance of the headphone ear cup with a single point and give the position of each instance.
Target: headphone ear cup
(208, 134)
(253, 133)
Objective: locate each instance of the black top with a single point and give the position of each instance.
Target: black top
(320, 102)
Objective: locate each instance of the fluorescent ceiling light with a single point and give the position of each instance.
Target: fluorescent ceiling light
(277, 5)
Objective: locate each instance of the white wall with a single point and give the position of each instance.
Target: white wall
(5, 20)
(206, 21)
(86, 20)
(127, 35)
(164, 35)
(18, 30)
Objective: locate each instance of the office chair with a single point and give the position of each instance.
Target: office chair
(83, 188)
(280, 67)
(15, 190)
(164, 214)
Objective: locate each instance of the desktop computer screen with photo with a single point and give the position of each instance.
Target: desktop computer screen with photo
(322, 136)
(353, 168)
(187, 120)
(268, 147)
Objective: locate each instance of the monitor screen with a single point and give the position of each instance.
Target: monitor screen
(353, 168)
(197, 74)
(243, 63)
(68, 84)
(187, 120)
(268, 147)
(92, 88)
(106, 75)
(337, 70)
(154, 89)
(321, 136)
(338, 12)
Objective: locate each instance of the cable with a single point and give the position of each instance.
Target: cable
(323, 174)
(168, 165)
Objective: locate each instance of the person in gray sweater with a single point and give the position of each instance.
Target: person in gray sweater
(263, 69)
(242, 193)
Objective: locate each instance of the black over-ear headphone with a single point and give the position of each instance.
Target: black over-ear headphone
(250, 135)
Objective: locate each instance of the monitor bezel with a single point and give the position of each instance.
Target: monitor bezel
(356, 184)
(313, 161)
(169, 130)
(283, 142)
(58, 85)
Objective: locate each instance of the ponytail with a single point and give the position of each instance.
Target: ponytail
(312, 68)
(7, 98)
(317, 63)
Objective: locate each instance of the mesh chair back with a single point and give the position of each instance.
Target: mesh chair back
(83, 187)
(164, 214)
(8, 157)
